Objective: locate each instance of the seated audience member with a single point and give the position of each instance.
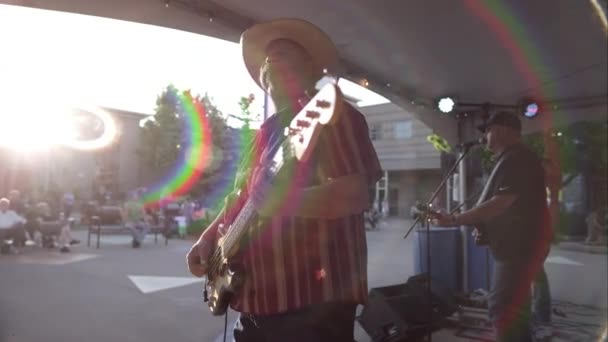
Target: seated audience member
(135, 219)
(68, 203)
(51, 231)
(11, 227)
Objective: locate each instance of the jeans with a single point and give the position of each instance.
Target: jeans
(541, 298)
(138, 230)
(509, 301)
(329, 322)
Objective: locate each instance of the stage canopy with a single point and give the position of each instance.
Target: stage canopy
(414, 52)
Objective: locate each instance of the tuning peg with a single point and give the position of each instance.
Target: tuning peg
(302, 123)
(323, 104)
(312, 114)
(289, 131)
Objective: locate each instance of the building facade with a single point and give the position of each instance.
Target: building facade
(412, 166)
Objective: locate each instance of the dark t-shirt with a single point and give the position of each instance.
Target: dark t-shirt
(520, 230)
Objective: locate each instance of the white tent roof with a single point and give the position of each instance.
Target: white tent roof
(413, 52)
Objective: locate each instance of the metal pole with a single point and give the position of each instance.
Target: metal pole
(462, 180)
(377, 196)
(385, 193)
(429, 289)
(265, 106)
(448, 195)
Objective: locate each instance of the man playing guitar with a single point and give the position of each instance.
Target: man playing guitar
(513, 219)
(304, 256)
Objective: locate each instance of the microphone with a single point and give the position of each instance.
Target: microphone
(469, 144)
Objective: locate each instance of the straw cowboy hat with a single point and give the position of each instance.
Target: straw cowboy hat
(255, 40)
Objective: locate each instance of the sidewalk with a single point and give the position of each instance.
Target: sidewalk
(577, 246)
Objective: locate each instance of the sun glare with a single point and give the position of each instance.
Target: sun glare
(107, 137)
(30, 129)
(34, 129)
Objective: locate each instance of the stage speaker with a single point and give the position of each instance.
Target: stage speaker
(401, 312)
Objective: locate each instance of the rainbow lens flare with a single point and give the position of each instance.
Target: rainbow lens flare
(196, 154)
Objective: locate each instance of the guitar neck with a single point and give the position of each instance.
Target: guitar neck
(301, 135)
(238, 228)
(247, 213)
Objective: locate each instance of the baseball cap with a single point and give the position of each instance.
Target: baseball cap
(502, 118)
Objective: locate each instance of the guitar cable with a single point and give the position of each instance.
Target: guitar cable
(205, 294)
(225, 324)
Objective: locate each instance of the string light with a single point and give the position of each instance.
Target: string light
(446, 104)
(166, 3)
(531, 110)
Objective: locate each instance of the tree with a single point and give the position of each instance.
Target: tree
(234, 143)
(164, 137)
(160, 138)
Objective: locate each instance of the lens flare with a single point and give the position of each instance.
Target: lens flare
(195, 153)
(601, 13)
(107, 137)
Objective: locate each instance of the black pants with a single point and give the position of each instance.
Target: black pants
(16, 233)
(331, 322)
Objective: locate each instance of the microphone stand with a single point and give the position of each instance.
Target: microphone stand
(465, 151)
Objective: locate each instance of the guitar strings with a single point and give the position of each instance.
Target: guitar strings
(231, 236)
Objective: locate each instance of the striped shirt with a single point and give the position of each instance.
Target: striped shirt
(294, 262)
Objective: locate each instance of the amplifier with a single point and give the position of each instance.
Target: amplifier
(401, 312)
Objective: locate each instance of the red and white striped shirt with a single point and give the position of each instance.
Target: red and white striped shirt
(293, 262)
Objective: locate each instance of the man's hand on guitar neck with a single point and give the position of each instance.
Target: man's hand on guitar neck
(442, 219)
(198, 256)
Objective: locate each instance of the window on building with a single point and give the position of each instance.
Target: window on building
(403, 129)
(375, 131)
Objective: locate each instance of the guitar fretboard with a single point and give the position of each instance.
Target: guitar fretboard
(247, 214)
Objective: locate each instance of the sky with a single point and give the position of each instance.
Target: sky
(118, 64)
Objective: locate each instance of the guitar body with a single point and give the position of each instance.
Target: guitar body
(223, 285)
(226, 277)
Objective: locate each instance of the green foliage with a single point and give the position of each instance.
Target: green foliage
(162, 138)
(196, 228)
(575, 143)
(245, 104)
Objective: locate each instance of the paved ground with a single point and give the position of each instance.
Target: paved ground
(120, 294)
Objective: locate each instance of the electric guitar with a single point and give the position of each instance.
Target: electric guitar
(224, 278)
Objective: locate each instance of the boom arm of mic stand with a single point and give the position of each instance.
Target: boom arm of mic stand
(465, 152)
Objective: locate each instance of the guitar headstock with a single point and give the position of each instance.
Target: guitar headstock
(323, 109)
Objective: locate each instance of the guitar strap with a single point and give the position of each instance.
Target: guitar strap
(490, 181)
